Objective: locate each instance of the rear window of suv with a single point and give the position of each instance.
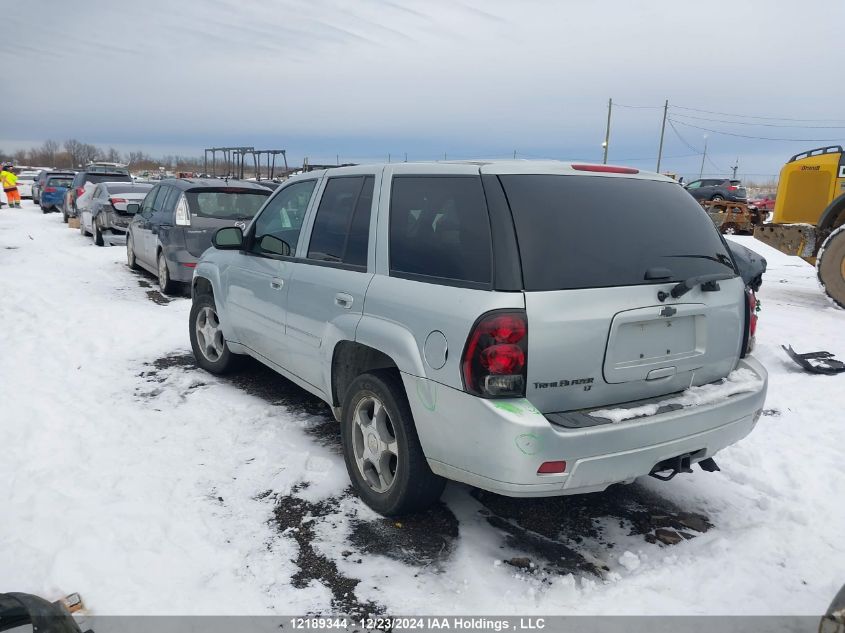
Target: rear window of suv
(594, 231)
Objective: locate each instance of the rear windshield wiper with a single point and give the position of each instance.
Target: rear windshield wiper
(719, 259)
(707, 283)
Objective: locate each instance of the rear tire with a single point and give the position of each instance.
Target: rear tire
(207, 342)
(64, 215)
(717, 197)
(830, 266)
(130, 253)
(96, 234)
(377, 427)
(166, 284)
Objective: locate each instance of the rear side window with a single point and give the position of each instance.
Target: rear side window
(342, 226)
(439, 228)
(226, 204)
(594, 231)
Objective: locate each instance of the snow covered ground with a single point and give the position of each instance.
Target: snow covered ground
(148, 486)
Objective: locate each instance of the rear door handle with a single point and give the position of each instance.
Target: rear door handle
(343, 300)
(277, 283)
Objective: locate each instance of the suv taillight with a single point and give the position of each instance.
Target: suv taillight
(494, 363)
(751, 322)
(49, 190)
(80, 191)
(732, 188)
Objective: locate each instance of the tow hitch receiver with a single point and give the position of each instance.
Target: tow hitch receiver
(679, 464)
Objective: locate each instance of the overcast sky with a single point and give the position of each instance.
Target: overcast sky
(471, 78)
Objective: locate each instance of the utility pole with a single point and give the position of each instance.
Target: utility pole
(662, 133)
(607, 130)
(406, 157)
(514, 154)
(735, 167)
(703, 156)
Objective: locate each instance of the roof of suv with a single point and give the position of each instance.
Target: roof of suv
(538, 167)
(195, 183)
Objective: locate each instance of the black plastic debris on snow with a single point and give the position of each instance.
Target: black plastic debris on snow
(553, 531)
(425, 539)
(295, 517)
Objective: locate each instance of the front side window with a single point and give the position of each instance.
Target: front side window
(147, 207)
(282, 219)
(342, 226)
(439, 227)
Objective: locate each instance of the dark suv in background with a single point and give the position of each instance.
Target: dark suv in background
(717, 189)
(92, 173)
(174, 224)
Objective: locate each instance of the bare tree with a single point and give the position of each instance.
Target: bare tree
(75, 149)
(49, 149)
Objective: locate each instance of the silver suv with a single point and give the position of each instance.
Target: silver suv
(529, 328)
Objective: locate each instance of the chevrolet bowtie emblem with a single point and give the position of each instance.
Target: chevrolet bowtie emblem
(668, 311)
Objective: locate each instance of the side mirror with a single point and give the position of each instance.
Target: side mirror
(230, 238)
(273, 245)
(132, 208)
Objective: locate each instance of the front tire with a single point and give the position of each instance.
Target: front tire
(381, 448)
(717, 198)
(166, 284)
(207, 342)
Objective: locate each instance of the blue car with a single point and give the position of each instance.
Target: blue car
(53, 193)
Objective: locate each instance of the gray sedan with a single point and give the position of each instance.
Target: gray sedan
(106, 214)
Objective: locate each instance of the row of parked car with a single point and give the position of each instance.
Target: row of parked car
(522, 327)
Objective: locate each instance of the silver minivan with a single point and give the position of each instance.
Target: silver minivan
(529, 328)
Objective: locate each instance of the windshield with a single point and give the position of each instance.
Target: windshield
(594, 231)
(226, 205)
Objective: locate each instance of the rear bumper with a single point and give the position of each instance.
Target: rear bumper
(181, 264)
(499, 445)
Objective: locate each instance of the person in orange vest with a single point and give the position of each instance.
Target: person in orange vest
(10, 187)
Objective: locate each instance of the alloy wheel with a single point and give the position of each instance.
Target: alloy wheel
(374, 444)
(209, 334)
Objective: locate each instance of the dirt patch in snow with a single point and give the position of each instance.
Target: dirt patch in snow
(295, 517)
(564, 535)
(156, 297)
(426, 539)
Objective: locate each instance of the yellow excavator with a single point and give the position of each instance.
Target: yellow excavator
(809, 216)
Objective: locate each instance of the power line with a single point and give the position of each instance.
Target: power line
(681, 138)
(638, 107)
(806, 127)
(750, 116)
(761, 138)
